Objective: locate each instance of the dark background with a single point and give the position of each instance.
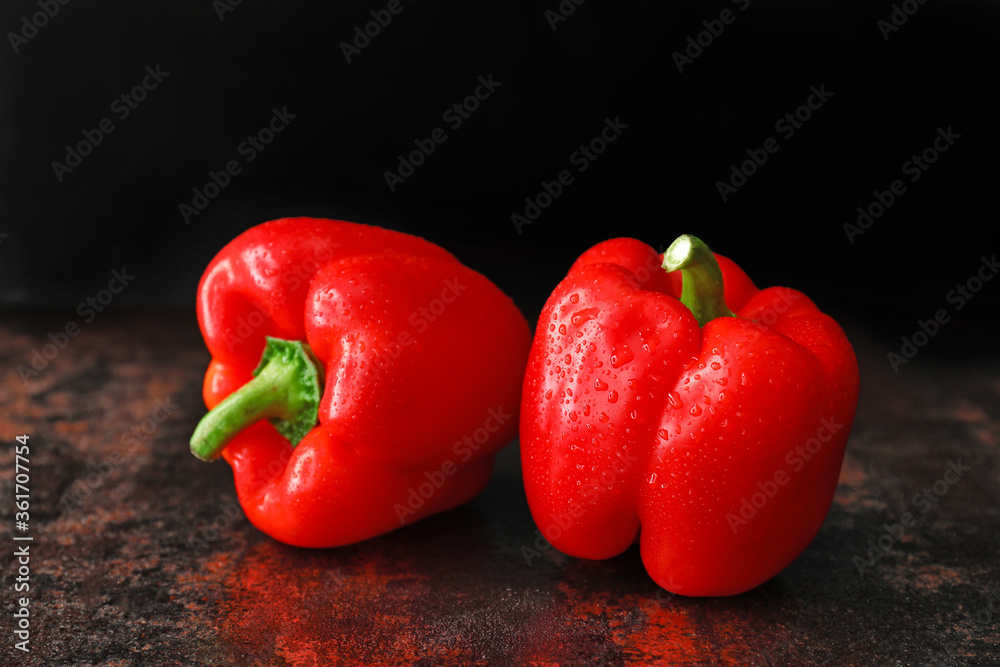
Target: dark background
(119, 208)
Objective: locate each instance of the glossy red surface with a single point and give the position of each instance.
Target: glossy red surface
(718, 448)
(423, 360)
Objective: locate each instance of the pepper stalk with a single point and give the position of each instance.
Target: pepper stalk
(702, 290)
(286, 390)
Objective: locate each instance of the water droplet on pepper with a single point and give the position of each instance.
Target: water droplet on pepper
(581, 316)
(621, 355)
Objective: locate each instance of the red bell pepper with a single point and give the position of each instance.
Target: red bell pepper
(361, 378)
(689, 404)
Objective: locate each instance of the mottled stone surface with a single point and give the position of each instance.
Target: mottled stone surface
(140, 555)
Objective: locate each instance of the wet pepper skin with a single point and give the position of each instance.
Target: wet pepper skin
(419, 351)
(718, 448)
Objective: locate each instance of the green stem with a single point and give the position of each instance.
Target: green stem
(702, 291)
(286, 389)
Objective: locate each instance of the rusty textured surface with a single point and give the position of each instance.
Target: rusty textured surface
(140, 556)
